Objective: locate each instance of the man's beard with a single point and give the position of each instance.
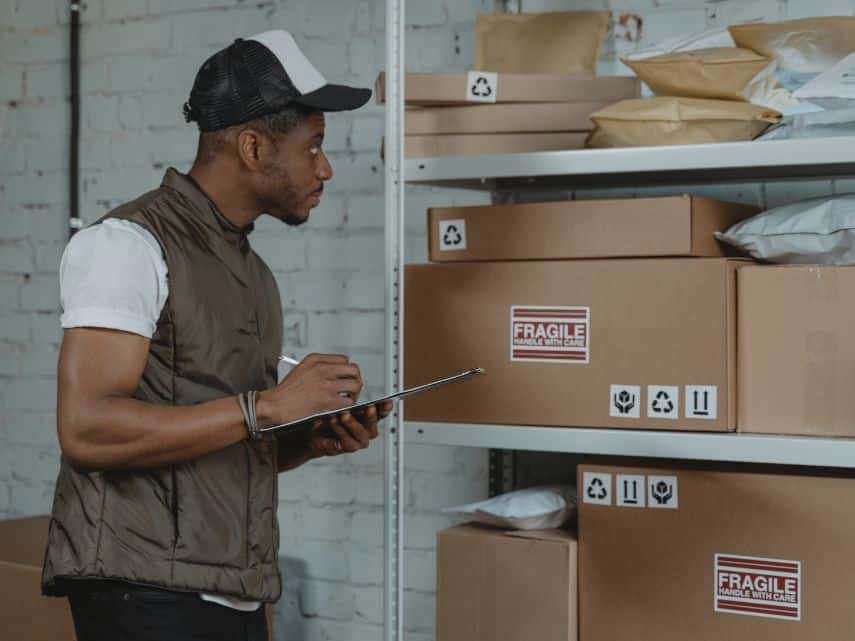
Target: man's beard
(293, 220)
(291, 198)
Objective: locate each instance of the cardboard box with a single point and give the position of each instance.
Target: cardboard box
(797, 350)
(487, 144)
(734, 553)
(670, 226)
(575, 343)
(494, 585)
(453, 88)
(25, 615)
(503, 118)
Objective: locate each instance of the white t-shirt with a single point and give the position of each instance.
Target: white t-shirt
(113, 275)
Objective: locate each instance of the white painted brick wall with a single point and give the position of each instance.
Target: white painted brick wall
(139, 59)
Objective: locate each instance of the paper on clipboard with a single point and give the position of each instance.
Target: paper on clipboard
(307, 421)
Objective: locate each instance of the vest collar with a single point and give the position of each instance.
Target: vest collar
(207, 211)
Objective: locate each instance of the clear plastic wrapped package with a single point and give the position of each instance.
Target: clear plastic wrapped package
(818, 124)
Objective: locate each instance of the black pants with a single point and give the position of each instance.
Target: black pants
(115, 611)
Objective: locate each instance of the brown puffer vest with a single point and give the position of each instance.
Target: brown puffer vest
(208, 525)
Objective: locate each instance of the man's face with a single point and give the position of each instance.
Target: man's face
(294, 176)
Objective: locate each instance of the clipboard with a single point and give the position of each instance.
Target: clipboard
(307, 421)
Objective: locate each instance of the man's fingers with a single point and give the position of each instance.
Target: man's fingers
(333, 359)
(349, 385)
(347, 441)
(370, 421)
(356, 429)
(342, 370)
(385, 409)
(333, 446)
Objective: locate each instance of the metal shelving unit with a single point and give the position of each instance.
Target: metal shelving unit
(744, 162)
(700, 446)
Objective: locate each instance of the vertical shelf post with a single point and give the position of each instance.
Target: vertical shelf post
(394, 361)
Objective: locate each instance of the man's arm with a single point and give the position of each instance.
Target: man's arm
(102, 427)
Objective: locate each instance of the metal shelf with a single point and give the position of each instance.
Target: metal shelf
(742, 161)
(702, 446)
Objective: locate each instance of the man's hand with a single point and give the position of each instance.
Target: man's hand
(350, 434)
(321, 382)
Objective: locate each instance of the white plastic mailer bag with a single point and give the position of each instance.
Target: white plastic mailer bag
(820, 231)
(836, 83)
(819, 124)
(709, 39)
(536, 508)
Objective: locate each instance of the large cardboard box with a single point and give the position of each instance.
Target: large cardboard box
(486, 144)
(669, 226)
(646, 343)
(25, 615)
(453, 88)
(494, 585)
(797, 350)
(674, 553)
(504, 118)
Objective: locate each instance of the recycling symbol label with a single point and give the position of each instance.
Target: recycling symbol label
(597, 488)
(481, 86)
(452, 235)
(663, 401)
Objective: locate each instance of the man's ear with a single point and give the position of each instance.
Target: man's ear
(252, 147)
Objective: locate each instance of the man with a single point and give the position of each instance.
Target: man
(164, 520)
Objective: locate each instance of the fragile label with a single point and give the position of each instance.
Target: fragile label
(482, 86)
(551, 334)
(758, 587)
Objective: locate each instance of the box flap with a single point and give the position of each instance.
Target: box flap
(471, 529)
(562, 536)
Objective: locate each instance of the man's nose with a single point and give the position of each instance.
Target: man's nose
(325, 171)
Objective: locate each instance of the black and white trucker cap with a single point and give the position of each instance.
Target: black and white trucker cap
(261, 75)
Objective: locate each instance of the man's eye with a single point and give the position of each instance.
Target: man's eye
(314, 150)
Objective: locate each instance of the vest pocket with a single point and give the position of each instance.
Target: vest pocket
(212, 509)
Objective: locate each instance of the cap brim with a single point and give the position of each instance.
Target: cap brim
(335, 98)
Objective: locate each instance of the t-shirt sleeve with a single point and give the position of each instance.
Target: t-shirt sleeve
(113, 275)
